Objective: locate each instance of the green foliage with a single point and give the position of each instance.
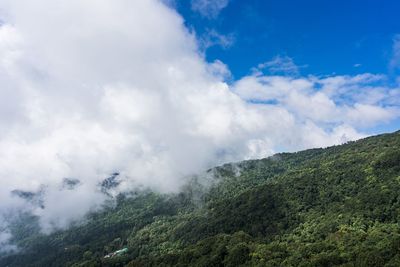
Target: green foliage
(338, 206)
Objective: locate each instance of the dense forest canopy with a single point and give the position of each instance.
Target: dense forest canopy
(337, 206)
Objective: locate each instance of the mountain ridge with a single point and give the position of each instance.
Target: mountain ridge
(335, 206)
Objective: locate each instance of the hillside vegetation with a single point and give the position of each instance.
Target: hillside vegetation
(338, 206)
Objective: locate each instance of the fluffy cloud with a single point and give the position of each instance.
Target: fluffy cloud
(361, 101)
(209, 8)
(95, 87)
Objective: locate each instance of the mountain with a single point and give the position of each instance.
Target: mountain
(338, 206)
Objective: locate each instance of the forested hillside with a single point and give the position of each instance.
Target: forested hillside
(338, 206)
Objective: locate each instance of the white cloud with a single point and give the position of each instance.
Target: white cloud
(279, 65)
(395, 60)
(366, 115)
(361, 101)
(122, 87)
(213, 38)
(219, 70)
(209, 8)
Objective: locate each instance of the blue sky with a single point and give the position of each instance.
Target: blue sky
(319, 38)
(325, 37)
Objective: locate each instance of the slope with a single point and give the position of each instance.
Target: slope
(338, 206)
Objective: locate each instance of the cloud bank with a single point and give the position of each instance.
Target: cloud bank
(92, 89)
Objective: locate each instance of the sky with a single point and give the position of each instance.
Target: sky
(321, 38)
(326, 37)
(157, 91)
